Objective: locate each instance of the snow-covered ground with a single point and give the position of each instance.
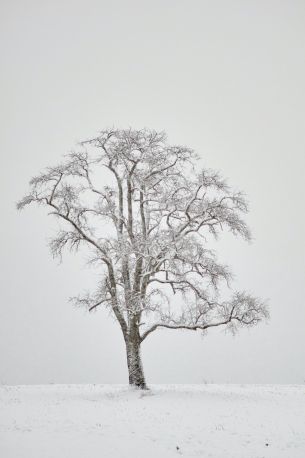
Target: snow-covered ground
(111, 421)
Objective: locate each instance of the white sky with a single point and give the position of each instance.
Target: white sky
(225, 78)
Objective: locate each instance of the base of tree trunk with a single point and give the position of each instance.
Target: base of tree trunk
(139, 387)
(135, 369)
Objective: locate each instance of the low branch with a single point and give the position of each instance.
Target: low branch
(195, 327)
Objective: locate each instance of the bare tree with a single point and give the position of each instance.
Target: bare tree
(146, 221)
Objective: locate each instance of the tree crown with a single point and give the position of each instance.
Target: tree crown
(146, 213)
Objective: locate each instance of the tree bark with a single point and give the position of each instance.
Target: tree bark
(135, 369)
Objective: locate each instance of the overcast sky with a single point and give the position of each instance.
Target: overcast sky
(224, 77)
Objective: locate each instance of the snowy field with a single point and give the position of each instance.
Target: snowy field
(111, 421)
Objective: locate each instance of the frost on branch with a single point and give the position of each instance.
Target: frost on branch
(146, 213)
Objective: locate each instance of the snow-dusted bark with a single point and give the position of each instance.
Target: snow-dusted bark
(134, 363)
(146, 213)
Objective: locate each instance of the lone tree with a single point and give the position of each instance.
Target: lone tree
(145, 214)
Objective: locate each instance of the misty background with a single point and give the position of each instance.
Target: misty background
(225, 78)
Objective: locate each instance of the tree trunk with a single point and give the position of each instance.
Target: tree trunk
(135, 369)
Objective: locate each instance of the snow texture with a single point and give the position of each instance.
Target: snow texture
(115, 421)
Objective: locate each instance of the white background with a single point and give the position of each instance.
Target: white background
(225, 78)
